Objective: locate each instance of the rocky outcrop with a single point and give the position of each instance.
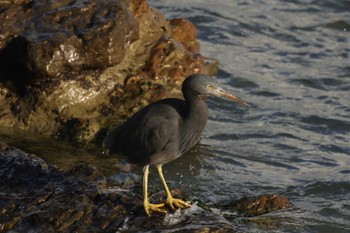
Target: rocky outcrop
(69, 68)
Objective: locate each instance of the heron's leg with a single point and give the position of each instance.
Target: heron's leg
(172, 202)
(148, 206)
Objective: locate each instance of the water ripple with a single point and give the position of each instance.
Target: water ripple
(326, 125)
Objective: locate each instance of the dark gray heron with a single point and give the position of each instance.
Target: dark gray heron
(164, 130)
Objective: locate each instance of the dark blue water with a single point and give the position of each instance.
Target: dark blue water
(290, 60)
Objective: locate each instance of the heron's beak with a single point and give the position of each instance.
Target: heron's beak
(221, 92)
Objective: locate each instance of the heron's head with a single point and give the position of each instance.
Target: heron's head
(205, 86)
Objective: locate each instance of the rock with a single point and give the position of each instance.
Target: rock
(67, 36)
(13, 17)
(183, 31)
(124, 180)
(171, 58)
(70, 68)
(37, 197)
(259, 205)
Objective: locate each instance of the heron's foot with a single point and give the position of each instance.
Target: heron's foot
(158, 208)
(175, 203)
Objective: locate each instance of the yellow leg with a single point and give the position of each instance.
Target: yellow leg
(173, 203)
(148, 206)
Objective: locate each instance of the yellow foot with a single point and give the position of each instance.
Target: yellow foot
(158, 208)
(175, 203)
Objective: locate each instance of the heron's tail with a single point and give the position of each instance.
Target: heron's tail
(111, 139)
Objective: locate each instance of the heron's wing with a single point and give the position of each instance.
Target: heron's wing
(148, 132)
(157, 129)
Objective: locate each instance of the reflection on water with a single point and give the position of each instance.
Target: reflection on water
(290, 61)
(60, 153)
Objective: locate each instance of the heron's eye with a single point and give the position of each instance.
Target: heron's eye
(209, 86)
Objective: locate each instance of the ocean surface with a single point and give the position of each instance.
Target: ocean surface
(291, 61)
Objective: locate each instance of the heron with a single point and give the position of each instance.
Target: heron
(164, 130)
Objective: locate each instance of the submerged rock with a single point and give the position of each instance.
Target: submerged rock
(70, 68)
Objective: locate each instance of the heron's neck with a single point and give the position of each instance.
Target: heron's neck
(194, 122)
(197, 112)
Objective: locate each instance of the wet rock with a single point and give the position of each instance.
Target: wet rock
(254, 206)
(193, 219)
(124, 180)
(37, 197)
(69, 35)
(183, 31)
(70, 68)
(165, 60)
(13, 17)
